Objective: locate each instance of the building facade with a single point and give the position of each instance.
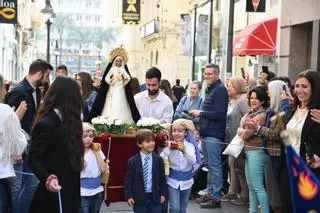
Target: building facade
(160, 34)
(252, 64)
(17, 41)
(300, 37)
(78, 35)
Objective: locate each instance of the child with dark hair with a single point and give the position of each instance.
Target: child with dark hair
(146, 194)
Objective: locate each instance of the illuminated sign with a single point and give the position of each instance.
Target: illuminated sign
(8, 11)
(131, 11)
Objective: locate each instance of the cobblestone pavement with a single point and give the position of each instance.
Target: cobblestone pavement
(226, 207)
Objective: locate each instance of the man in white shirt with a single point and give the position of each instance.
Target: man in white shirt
(152, 102)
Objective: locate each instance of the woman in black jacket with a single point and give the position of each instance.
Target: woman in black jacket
(56, 148)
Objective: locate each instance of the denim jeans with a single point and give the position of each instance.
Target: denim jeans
(91, 204)
(214, 179)
(149, 206)
(255, 165)
(4, 195)
(22, 188)
(178, 200)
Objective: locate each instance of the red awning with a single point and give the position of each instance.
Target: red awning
(256, 39)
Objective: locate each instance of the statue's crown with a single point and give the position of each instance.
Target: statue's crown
(119, 51)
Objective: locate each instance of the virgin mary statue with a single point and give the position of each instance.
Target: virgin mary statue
(115, 98)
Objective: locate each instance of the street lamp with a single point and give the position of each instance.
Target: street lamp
(98, 62)
(56, 53)
(48, 13)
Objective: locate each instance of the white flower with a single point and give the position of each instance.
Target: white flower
(118, 122)
(148, 121)
(95, 120)
(109, 121)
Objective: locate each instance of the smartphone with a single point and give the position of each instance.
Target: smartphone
(285, 89)
(265, 69)
(243, 73)
(309, 151)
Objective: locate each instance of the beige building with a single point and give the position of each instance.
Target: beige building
(160, 33)
(300, 37)
(17, 41)
(253, 64)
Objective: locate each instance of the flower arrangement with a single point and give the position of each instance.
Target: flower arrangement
(116, 126)
(150, 123)
(110, 125)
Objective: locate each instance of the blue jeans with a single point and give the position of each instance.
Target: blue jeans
(178, 200)
(22, 188)
(91, 204)
(255, 165)
(4, 195)
(149, 206)
(212, 152)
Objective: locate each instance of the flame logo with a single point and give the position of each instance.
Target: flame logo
(306, 187)
(8, 13)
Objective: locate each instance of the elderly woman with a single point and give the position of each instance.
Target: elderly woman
(238, 107)
(13, 142)
(190, 102)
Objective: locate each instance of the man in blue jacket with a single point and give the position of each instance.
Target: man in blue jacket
(212, 127)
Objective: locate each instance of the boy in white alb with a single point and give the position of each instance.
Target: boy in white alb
(94, 166)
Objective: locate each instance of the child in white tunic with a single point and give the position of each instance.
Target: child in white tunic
(182, 161)
(94, 166)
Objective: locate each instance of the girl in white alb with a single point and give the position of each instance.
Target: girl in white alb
(94, 166)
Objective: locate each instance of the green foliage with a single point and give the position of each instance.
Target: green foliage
(124, 128)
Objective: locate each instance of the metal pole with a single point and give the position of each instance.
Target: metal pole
(230, 37)
(48, 23)
(210, 31)
(56, 62)
(194, 41)
(79, 66)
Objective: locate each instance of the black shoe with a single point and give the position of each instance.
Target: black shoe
(212, 204)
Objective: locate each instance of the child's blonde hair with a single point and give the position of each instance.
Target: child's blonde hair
(88, 127)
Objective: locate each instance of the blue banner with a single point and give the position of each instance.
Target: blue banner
(304, 184)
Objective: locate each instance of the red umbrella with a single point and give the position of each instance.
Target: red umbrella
(256, 39)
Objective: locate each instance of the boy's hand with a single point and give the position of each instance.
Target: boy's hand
(131, 202)
(162, 199)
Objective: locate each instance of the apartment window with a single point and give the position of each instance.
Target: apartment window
(88, 17)
(97, 18)
(79, 17)
(98, 4)
(88, 3)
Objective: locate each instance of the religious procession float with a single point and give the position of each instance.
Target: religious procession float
(116, 119)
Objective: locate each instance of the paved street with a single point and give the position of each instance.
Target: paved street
(192, 208)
